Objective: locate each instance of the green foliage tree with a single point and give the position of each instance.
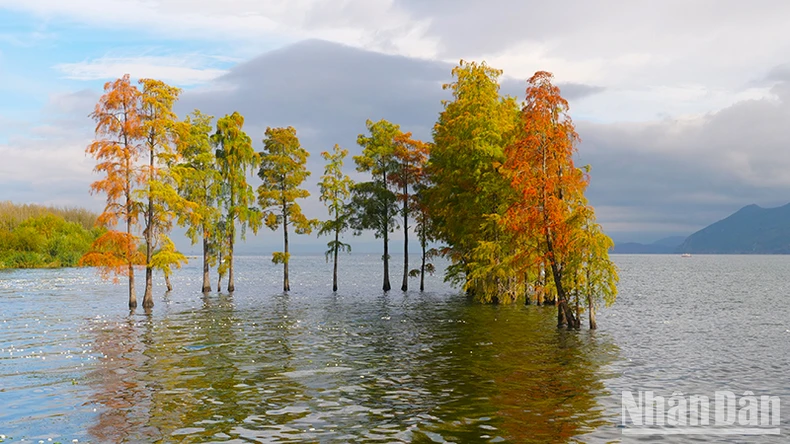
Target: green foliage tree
(236, 159)
(335, 191)
(469, 196)
(166, 258)
(374, 205)
(283, 171)
(595, 276)
(163, 201)
(199, 182)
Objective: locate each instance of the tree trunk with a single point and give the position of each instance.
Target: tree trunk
(206, 281)
(564, 312)
(231, 283)
(219, 267)
(286, 283)
(562, 321)
(167, 282)
(334, 271)
(386, 286)
(132, 292)
(148, 297)
(422, 266)
(231, 237)
(591, 310)
(405, 285)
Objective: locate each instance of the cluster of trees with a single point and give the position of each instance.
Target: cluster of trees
(36, 236)
(497, 188)
(508, 201)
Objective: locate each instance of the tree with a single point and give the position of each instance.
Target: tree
(374, 204)
(596, 275)
(469, 196)
(410, 156)
(550, 188)
(335, 190)
(236, 159)
(419, 207)
(119, 132)
(282, 172)
(200, 182)
(166, 258)
(158, 121)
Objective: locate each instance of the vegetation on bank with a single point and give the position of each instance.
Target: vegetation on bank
(37, 236)
(497, 187)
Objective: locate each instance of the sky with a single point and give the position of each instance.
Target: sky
(683, 107)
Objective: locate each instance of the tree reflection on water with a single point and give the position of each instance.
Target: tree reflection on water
(337, 368)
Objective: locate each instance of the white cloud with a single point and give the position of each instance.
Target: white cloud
(259, 24)
(180, 70)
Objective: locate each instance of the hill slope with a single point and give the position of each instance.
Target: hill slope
(662, 246)
(750, 230)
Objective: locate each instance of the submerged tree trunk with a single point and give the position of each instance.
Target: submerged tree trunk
(386, 286)
(334, 271)
(591, 305)
(386, 231)
(422, 266)
(564, 312)
(206, 281)
(148, 297)
(167, 282)
(231, 238)
(286, 283)
(219, 270)
(132, 292)
(231, 283)
(132, 295)
(405, 285)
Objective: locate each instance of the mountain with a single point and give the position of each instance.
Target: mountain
(671, 241)
(750, 230)
(667, 245)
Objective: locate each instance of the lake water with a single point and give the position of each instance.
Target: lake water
(365, 366)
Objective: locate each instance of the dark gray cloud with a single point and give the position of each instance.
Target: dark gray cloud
(327, 91)
(676, 174)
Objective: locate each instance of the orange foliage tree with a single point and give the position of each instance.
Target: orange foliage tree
(411, 156)
(117, 148)
(540, 166)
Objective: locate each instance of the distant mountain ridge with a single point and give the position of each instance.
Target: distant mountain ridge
(667, 245)
(750, 230)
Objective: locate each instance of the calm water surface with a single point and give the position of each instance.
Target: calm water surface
(364, 366)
